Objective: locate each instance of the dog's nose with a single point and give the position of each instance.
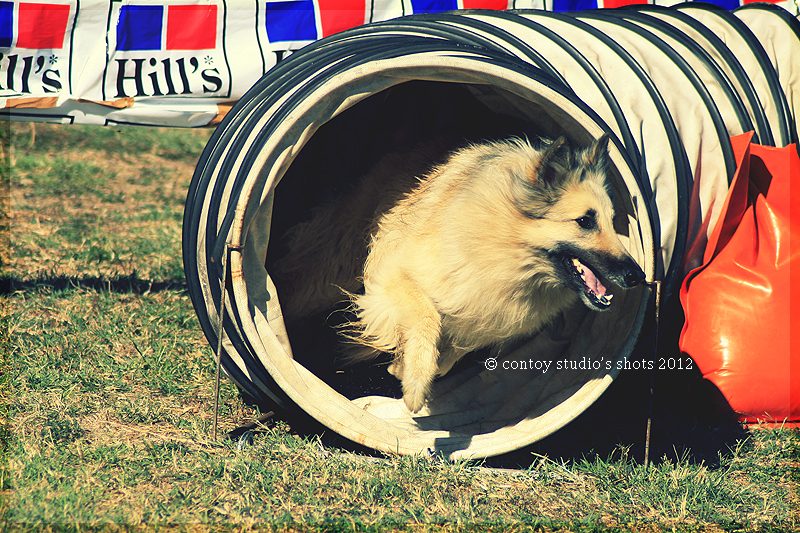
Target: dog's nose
(634, 275)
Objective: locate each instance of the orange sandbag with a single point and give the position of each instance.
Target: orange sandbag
(742, 306)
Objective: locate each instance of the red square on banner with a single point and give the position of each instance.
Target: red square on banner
(42, 26)
(620, 3)
(339, 15)
(191, 27)
(486, 4)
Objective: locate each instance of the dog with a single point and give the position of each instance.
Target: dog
(489, 246)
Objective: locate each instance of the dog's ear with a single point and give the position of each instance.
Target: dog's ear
(596, 155)
(546, 171)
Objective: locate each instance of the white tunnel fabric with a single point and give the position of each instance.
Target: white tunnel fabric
(723, 58)
(779, 34)
(750, 54)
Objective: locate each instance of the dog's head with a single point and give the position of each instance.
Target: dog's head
(565, 198)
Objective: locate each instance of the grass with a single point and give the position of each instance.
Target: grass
(107, 390)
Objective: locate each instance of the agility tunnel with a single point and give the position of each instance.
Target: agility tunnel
(670, 85)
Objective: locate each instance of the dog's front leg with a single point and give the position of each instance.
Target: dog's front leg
(419, 326)
(420, 361)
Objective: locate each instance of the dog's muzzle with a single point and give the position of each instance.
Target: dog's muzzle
(633, 275)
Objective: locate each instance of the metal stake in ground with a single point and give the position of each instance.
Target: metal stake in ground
(657, 289)
(220, 333)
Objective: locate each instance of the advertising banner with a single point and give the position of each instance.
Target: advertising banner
(181, 62)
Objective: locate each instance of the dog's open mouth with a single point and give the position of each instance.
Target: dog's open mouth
(595, 292)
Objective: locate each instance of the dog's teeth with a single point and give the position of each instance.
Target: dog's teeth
(605, 299)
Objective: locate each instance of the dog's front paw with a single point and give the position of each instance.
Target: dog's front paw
(416, 385)
(414, 400)
(414, 392)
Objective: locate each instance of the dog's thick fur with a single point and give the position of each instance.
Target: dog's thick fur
(489, 246)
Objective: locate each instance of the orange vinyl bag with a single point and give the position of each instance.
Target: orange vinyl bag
(742, 306)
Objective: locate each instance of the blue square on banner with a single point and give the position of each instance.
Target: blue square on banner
(730, 5)
(573, 5)
(291, 21)
(6, 24)
(140, 27)
(433, 6)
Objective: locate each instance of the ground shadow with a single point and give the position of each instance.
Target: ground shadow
(691, 419)
(121, 285)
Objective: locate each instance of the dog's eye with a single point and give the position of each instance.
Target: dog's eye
(586, 222)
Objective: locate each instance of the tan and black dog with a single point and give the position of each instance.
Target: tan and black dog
(488, 246)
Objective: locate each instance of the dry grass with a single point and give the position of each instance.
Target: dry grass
(105, 209)
(107, 396)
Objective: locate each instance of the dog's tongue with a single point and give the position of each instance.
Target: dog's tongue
(590, 279)
(593, 283)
